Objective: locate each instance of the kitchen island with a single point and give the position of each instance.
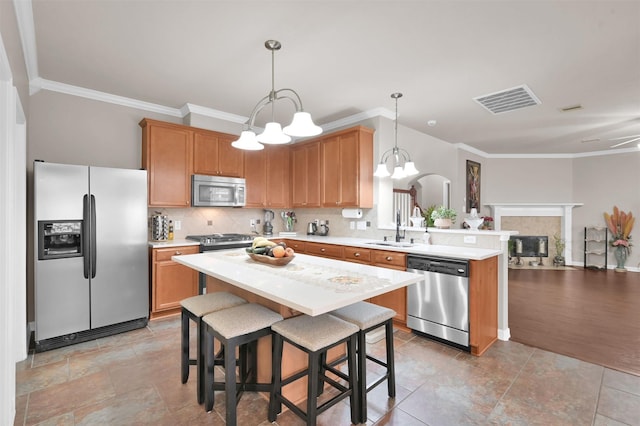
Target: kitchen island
(308, 284)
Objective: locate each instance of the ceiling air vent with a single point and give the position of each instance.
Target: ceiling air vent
(508, 100)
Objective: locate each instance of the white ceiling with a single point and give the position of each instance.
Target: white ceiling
(347, 57)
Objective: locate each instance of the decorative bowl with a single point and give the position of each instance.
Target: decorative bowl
(276, 261)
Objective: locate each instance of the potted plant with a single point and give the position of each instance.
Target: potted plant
(558, 260)
(443, 217)
(426, 213)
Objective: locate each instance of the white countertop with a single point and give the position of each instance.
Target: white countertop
(470, 253)
(173, 243)
(309, 284)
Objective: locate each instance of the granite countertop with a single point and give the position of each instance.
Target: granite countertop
(309, 284)
(404, 247)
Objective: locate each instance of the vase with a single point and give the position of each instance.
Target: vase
(442, 223)
(621, 258)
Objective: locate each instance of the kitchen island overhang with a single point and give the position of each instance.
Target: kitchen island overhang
(309, 284)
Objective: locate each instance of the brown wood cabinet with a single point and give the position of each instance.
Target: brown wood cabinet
(170, 281)
(483, 304)
(305, 174)
(167, 156)
(267, 177)
(171, 153)
(396, 299)
(214, 155)
(347, 168)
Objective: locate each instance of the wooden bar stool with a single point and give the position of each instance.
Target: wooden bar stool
(194, 308)
(314, 335)
(237, 327)
(367, 317)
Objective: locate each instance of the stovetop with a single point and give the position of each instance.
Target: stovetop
(221, 239)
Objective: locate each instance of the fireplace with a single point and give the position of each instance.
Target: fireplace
(544, 215)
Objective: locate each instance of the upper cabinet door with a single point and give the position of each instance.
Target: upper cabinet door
(305, 174)
(347, 168)
(214, 155)
(167, 157)
(267, 177)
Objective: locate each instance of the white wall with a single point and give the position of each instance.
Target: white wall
(13, 335)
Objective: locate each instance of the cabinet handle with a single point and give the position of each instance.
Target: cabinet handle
(177, 253)
(389, 258)
(322, 250)
(356, 255)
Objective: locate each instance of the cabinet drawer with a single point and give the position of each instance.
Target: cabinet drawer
(357, 254)
(164, 254)
(326, 250)
(390, 259)
(297, 246)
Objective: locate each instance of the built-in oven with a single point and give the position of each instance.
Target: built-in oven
(438, 305)
(212, 242)
(58, 239)
(217, 191)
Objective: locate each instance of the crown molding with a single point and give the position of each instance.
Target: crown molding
(356, 118)
(213, 113)
(483, 154)
(26, 28)
(41, 83)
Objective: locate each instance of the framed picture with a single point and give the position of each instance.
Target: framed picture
(473, 185)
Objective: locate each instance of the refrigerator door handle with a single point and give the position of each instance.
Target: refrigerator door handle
(86, 240)
(94, 253)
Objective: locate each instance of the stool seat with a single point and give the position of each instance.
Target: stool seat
(206, 303)
(314, 333)
(367, 316)
(240, 320)
(315, 336)
(364, 314)
(194, 308)
(237, 327)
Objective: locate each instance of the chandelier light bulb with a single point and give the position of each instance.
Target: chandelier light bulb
(273, 134)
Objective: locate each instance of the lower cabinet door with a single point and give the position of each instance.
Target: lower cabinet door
(171, 281)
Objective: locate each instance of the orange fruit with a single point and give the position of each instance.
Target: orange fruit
(278, 251)
(288, 252)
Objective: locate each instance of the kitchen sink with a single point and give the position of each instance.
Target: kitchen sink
(390, 244)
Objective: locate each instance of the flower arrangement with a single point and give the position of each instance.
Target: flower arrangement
(620, 225)
(444, 213)
(488, 222)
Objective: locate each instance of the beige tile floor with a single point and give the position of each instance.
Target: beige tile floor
(134, 378)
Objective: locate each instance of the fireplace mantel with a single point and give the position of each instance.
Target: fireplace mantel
(563, 210)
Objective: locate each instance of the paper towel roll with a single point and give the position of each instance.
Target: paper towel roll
(352, 213)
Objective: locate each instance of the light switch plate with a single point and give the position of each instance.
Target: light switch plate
(362, 225)
(469, 239)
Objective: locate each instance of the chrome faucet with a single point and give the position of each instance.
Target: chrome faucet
(398, 236)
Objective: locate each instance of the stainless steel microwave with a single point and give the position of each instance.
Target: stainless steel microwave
(217, 191)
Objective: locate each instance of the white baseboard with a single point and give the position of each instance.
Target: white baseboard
(504, 334)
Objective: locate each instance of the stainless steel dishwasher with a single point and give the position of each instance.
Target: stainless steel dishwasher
(438, 305)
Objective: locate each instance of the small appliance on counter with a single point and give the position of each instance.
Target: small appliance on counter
(267, 228)
(312, 228)
(323, 229)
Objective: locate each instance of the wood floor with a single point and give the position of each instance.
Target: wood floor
(586, 314)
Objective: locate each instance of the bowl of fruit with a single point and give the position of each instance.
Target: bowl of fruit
(267, 251)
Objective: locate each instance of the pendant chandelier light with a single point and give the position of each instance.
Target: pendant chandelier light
(302, 125)
(402, 164)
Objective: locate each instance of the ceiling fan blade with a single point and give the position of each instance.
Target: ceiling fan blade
(624, 143)
(624, 137)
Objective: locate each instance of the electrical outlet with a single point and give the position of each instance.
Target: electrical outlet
(258, 221)
(362, 225)
(469, 239)
(352, 225)
(177, 225)
(252, 222)
(210, 223)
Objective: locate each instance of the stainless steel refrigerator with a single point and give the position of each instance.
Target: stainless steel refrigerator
(91, 256)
